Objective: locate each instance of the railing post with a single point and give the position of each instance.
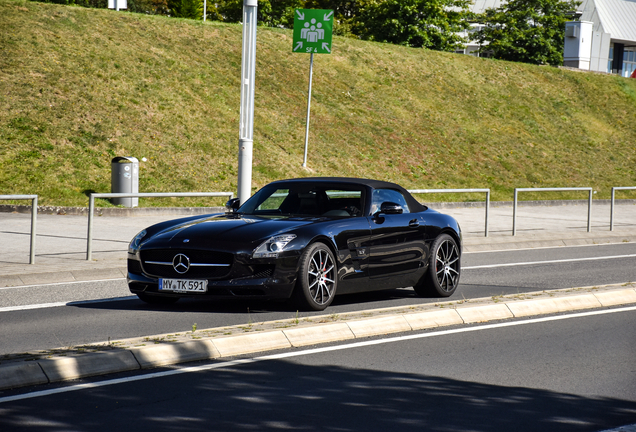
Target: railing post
(91, 207)
(34, 217)
(612, 210)
(487, 210)
(514, 215)
(589, 213)
(34, 213)
(486, 191)
(89, 245)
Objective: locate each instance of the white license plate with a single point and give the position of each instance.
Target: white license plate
(183, 285)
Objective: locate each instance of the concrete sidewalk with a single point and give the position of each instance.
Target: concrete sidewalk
(61, 242)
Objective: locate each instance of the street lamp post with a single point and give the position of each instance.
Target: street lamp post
(246, 128)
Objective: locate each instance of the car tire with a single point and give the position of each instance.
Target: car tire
(444, 267)
(317, 278)
(152, 299)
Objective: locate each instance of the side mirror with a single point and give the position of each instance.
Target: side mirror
(232, 205)
(391, 208)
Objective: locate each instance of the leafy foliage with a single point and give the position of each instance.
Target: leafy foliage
(192, 9)
(344, 12)
(149, 7)
(529, 31)
(418, 23)
(271, 13)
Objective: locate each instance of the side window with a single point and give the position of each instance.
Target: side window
(384, 195)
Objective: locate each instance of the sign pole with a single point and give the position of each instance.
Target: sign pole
(312, 34)
(311, 74)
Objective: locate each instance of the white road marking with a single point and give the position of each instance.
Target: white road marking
(58, 304)
(308, 352)
(61, 283)
(548, 262)
(551, 247)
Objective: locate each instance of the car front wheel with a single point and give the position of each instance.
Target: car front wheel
(444, 267)
(317, 278)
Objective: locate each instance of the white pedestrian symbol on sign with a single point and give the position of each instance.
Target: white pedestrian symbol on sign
(312, 32)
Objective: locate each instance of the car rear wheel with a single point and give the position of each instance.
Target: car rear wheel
(151, 299)
(317, 278)
(444, 267)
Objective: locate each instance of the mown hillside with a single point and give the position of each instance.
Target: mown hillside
(80, 86)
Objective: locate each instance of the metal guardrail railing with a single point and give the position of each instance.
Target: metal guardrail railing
(517, 190)
(614, 189)
(486, 191)
(34, 216)
(91, 206)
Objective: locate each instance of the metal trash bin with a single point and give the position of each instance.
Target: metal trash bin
(125, 179)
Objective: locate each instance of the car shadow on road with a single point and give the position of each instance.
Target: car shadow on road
(341, 304)
(348, 302)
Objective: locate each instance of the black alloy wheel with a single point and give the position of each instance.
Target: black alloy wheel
(317, 279)
(444, 268)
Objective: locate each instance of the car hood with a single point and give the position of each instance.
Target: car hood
(224, 229)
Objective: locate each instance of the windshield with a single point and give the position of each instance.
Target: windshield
(306, 200)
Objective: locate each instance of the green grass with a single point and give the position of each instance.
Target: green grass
(80, 86)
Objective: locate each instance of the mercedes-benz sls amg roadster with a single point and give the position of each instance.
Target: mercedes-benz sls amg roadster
(305, 239)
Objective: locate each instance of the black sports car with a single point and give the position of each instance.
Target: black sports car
(306, 239)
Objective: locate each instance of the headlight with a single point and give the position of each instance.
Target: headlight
(273, 246)
(133, 247)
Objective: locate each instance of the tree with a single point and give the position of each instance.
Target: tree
(529, 31)
(432, 24)
(271, 13)
(344, 12)
(192, 9)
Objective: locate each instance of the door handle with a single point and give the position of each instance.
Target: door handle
(414, 223)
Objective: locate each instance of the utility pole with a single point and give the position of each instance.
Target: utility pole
(246, 127)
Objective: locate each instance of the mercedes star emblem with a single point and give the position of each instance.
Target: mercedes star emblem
(181, 263)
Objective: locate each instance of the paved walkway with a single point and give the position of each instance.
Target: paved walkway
(61, 242)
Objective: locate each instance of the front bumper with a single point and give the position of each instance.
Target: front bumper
(254, 279)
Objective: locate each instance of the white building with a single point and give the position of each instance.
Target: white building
(604, 40)
(613, 31)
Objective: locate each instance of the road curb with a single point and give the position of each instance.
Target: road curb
(251, 343)
(167, 354)
(324, 333)
(394, 320)
(21, 374)
(85, 365)
(478, 314)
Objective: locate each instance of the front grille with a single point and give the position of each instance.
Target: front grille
(134, 266)
(262, 271)
(158, 262)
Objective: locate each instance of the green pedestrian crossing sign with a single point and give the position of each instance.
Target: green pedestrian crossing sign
(312, 31)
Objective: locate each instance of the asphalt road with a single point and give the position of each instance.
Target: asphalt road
(572, 374)
(40, 317)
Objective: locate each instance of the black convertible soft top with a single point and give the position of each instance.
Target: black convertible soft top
(414, 206)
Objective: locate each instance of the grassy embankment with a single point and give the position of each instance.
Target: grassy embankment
(80, 86)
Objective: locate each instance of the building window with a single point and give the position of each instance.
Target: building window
(629, 61)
